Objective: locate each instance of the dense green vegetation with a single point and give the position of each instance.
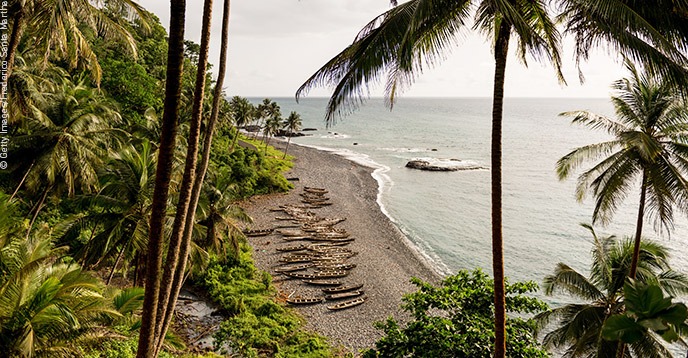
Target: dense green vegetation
(103, 117)
(84, 153)
(456, 320)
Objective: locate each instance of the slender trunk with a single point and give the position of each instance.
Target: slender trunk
(38, 209)
(178, 278)
(173, 252)
(621, 350)
(15, 37)
(287, 147)
(22, 181)
(638, 228)
(114, 267)
(163, 174)
(236, 138)
(500, 51)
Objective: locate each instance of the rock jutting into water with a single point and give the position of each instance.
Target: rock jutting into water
(443, 165)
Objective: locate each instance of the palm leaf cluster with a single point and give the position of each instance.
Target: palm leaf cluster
(648, 143)
(575, 328)
(46, 305)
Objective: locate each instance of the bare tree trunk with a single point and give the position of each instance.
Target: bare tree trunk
(500, 52)
(178, 278)
(38, 209)
(621, 350)
(287, 147)
(15, 37)
(22, 181)
(175, 61)
(236, 138)
(173, 252)
(114, 267)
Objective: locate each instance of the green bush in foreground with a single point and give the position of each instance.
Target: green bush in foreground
(258, 324)
(456, 320)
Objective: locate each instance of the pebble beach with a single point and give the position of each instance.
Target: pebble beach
(385, 261)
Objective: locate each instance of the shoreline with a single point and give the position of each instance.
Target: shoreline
(386, 258)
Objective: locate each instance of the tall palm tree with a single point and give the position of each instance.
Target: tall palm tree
(292, 124)
(242, 111)
(175, 249)
(163, 173)
(577, 326)
(403, 40)
(218, 99)
(648, 146)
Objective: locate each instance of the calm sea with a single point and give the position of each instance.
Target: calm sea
(446, 215)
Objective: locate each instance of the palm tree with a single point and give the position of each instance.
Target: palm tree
(118, 215)
(46, 306)
(218, 99)
(403, 40)
(648, 144)
(242, 111)
(271, 127)
(577, 326)
(163, 173)
(57, 28)
(652, 33)
(219, 214)
(292, 124)
(67, 135)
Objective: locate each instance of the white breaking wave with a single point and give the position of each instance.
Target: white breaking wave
(335, 135)
(407, 150)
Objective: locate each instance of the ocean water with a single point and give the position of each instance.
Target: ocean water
(446, 215)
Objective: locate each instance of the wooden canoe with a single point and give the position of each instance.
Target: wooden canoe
(314, 190)
(283, 269)
(292, 248)
(304, 301)
(323, 282)
(342, 288)
(347, 304)
(318, 275)
(258, 232)
(340, 295)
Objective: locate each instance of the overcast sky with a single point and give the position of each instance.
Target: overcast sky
(275, 45)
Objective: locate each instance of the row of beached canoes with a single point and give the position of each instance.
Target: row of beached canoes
(317, 253)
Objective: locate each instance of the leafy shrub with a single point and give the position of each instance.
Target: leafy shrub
(259, 325)
(456, 320)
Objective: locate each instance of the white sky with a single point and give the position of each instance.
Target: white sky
(275, 45)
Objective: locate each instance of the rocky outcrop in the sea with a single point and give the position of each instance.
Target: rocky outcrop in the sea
(443, 165)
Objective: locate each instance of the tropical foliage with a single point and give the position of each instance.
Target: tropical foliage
(456, 319)
(648, 147)
(577, 327)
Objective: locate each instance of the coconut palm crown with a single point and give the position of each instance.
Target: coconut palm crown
(575, 328)
(648, 147)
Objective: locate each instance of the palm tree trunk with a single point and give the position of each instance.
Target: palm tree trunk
(22, 181)
(639, 228)
(38, 209)
(500, 51)
(15, 37)
(114, 267)
(173, 251)
(636, 246)
(178, 278)
(236, 138)
(175, 61)
(287, 147)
